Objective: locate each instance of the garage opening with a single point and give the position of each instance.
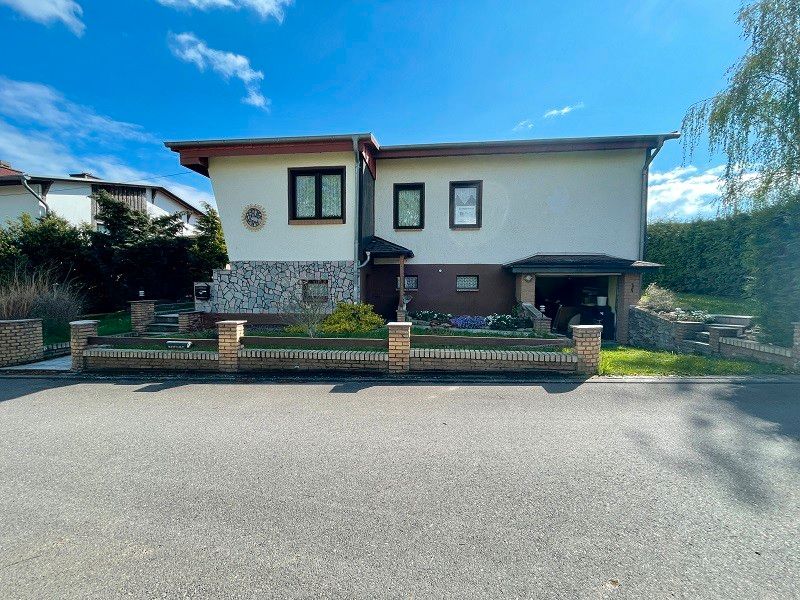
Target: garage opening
(578, 300)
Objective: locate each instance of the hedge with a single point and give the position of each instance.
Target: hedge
(746, 255)
(702, 257)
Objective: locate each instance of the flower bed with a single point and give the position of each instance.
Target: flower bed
(494, 322)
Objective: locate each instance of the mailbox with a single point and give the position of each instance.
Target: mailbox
(202, 291)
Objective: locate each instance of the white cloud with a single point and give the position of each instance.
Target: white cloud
(49, 11)
(560, 112)
(189, 48)
(523, 125)
(37, 103)
(684, 193)
(264, 8)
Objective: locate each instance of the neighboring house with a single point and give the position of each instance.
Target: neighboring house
(474, 228)
(71, 197)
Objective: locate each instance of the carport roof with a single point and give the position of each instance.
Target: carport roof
(578, 263)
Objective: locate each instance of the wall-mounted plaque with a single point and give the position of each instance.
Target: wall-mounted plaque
(254, 216)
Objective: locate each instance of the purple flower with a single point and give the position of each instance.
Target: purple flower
(468, 322)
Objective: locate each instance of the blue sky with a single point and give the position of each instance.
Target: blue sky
(98, 85)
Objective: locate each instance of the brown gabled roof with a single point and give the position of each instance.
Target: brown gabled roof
(194, 154)
(578, 263)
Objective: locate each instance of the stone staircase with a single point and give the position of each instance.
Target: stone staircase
(699, 341)
(166, 319)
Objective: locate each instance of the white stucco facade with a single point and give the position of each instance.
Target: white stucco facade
(71, 200)
(15, 201)
(560, 202)
(240, 181)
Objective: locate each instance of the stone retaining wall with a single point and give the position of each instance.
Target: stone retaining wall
(648, 330)
(20, 341)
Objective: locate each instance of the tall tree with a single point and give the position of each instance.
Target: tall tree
(755, 120)
(210, 251)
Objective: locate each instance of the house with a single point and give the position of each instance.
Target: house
(466, 228)
(71, 197)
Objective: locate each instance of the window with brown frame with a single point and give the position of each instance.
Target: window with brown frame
(316, 195)
(466, 198)
(466, 283)
(409, 205)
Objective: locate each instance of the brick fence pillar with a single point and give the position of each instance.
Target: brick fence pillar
(796, 344)
(79, 334)
(20, 341)
(587, 347)
(715, 332)
(230, 335)
(399, 347)
(190, 321)
(143, 313)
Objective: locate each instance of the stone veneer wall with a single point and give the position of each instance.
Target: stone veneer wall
(250, 287)
(647, 330)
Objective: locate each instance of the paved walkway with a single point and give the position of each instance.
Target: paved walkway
(55, 365)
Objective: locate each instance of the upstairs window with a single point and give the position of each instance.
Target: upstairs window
(465, 204)
(409, 205)
(316, 195)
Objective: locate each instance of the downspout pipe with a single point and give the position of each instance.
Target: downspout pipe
(651, 154)
(24, 180)
(357, 223)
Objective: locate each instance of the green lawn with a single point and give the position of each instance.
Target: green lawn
(717, 304)
(110, 324)
(621, 360)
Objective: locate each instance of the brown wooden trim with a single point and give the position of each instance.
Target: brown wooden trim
(318, 172)
(486, 341)
(314, 343)
(367, 152)
(266, 149)
(398, 187)
(316, 221)
(477, 183)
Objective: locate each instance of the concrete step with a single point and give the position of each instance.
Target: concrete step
(742, 320)
(695, 347)
(166, 319)
(163, 328)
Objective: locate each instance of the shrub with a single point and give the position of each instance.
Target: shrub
(774, 260)
(505, 322)
(658, 299)
(348, 317)
(38, 296)
(468, 322)
(307, 315)
(431, 316)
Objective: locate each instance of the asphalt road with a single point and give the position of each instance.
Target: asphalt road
(174, 489)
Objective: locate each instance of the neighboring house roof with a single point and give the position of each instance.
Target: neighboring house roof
(7, 170)
(577, 263)
(194, 154)
(381, 248)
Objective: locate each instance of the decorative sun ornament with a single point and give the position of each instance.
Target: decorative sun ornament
(254, 216)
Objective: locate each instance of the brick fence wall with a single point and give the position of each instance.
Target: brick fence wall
(20, 341)
(143, 313)
(398, 358)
